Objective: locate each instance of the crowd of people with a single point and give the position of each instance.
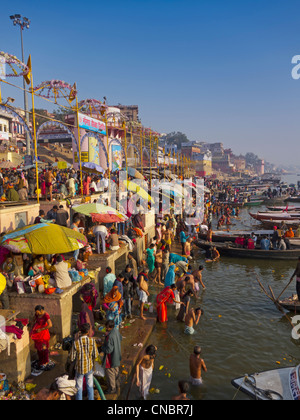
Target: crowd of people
(20, 184)
(166, 275)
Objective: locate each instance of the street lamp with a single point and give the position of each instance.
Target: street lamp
(23, 22)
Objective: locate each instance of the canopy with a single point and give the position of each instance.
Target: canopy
(43, 239)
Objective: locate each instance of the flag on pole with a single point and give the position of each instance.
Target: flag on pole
(27, 76)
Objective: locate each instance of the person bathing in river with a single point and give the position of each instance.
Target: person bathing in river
(192, 319)
(198, 278)
(196, 366)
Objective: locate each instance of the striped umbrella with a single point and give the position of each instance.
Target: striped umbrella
(101, 213)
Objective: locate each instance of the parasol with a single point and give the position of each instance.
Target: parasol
(7, 165)
(43, 239)
(134, 173)
(135, 188)
(93, 168)
(100, 213)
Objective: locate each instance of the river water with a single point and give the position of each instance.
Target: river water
(240, 332)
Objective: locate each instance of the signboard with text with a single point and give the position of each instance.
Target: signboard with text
(91, 124)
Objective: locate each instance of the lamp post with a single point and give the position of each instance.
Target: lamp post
(23, 22)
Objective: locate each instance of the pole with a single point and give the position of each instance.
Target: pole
(107, 143)
(150, 138)
(126, 163)
(141, 144)
(79, 146)
(35, 140)
(157, 155)
(28, 151)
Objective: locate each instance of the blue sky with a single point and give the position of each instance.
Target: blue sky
(215, 70)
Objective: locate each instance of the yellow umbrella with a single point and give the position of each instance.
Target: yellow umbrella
(43, 238)
(132, 186)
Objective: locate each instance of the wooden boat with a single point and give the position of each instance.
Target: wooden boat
(288, 209)
(254, 203)
(278, 384)
(228, 249)
(292, 200)
(274, 215)
(295, 242)
(269, 224)
(291, 304)
(224, 236)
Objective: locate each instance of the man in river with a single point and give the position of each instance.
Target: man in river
(198, 277)
(196, 366)
(192, 318)
(144, 370)
(297, 275)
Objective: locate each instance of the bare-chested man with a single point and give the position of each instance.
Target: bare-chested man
(144, 370)
(198, 276)
(192, 319)
(196, 366)
(189, 280)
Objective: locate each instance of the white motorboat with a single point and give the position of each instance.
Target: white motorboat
(277, 384)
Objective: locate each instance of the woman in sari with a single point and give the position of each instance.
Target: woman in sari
(150, 258)
(41, 336)
(113, 314)
(113, 296)
(88, 295)
(170, 277)
(164, 297)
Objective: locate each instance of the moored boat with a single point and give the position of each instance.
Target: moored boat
(284, 208)
(278, 384)
(225, 236)
(292, 200)
(228, 249)
(269, 224)
(254, 203)
(275, 215)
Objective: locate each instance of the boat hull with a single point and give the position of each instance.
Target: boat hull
(290, 305)
(275, 216)
(278, 381)
(227, 250)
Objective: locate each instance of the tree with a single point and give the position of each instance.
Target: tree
(61, 113)
(251, 158)
(176, 138)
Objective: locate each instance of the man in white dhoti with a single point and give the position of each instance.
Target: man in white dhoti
(144, 370)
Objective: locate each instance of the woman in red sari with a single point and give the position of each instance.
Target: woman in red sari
(41, 336)
(164, 297)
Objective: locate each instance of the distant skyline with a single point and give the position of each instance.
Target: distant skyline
(218, 71)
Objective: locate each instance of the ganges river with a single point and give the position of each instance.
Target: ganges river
(241, 331)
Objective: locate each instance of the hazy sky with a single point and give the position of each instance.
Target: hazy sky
(215, 70)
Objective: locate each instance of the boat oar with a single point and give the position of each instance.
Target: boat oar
(285, 289)
(262, 287)
(278, 306)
